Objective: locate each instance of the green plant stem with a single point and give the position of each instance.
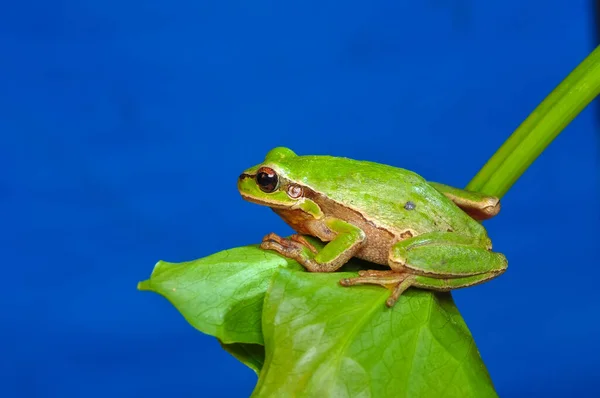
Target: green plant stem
(542, 126)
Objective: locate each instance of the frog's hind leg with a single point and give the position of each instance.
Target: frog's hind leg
(446, 255)
(436, 261)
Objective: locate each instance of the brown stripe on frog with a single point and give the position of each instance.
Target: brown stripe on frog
(378, 242)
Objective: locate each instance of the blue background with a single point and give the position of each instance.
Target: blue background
(124, 126)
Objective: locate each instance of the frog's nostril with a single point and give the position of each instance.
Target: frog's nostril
(243, 176)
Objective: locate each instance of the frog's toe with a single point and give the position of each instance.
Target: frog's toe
(273, 237)
(273, 240)
(272, 245)
(397, 282)
(304, 242)
(294, 242)
(399, 289)
(284, 247)
(287, 248)
(373, 277)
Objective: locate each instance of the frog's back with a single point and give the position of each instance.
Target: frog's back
(389, 197)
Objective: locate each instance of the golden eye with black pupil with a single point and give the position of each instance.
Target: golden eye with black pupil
(267, 179)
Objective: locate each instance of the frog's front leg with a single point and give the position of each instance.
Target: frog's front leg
(438, 261)
(347, 241)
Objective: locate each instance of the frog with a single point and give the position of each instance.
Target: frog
(420, 234)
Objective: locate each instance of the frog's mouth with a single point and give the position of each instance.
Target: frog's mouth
(253, 199)
(262, 201)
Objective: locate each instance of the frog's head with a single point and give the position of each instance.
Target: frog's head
(268, 183)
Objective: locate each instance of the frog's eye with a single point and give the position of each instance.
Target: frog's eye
(267, 179)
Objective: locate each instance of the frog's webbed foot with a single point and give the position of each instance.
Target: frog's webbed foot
(398, 282)
(295, 247)
(295, 242)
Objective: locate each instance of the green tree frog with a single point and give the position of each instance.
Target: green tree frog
(428, 234)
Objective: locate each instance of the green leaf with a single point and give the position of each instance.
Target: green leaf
(542, 126)
(222, 294)
(251, 355)
(424, 345)
(324, 340)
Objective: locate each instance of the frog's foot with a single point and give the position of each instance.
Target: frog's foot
(296, 247)
(398, 282)
(375, 277)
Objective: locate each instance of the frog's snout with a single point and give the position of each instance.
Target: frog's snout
(243, 179)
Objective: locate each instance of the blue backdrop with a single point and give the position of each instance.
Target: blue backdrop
(124, 126)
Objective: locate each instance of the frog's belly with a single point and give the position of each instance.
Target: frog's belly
(374, 253)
